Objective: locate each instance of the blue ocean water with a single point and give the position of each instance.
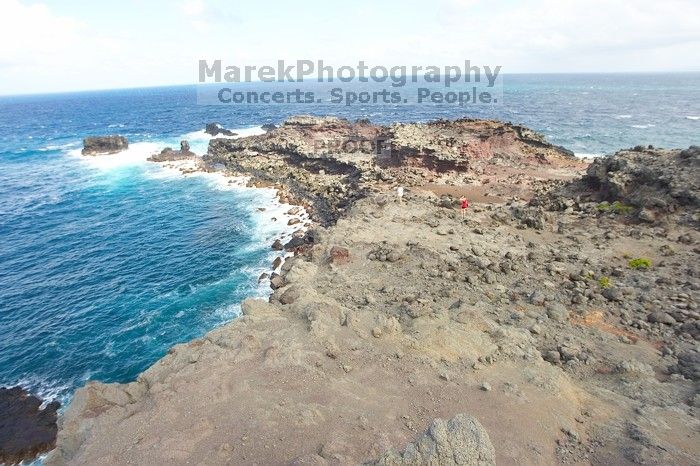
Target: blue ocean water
(106, 263)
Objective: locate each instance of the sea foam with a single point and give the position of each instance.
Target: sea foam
(270, 216)
(136, 154)
(199, 140)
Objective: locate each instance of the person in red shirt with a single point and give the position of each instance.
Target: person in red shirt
(465, 205)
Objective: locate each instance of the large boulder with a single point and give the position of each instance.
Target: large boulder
(648, 178)
(339, 255)
(460, 441)
(101, 145)
(26, 430)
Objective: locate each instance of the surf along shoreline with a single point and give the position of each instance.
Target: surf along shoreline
(27, 407)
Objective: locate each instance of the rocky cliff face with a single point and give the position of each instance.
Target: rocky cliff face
(327, 163)
(317, 162)
(463, 144)
(647, 185)
(648, 178)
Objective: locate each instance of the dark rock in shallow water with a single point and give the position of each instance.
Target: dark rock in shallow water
(25, 429)
(102, 145)
(294, 243)
(298, 243)
(170, 155)
(215, 129)
(269, 127)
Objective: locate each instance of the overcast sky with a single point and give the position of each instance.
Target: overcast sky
(61, 45)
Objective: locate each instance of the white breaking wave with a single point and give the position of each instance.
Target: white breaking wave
(689, 117)
(47, 390)
(584, 155)
(136, 154)
(623, 117)
(199, 140)
(52, 147)
(139, 152)
(228, 312)
(643, 126)
(270, 216)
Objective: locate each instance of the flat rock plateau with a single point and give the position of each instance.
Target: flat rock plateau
(557, 323)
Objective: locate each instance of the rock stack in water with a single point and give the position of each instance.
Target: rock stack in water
(170, 155)
(103, 145)
(215, 129)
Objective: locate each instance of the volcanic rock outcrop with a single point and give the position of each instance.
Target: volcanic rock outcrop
(170, 155)
(26, 429)
(215, 129)
(103, 145)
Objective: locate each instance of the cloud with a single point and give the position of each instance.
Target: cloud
(204, 17)
(193, 7)
(547, 35)
(44, 49)
(33, 33)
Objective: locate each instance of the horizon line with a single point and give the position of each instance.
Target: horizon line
(165, 86)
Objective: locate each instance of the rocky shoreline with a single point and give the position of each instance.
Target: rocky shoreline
(27, 428)
(557, 323)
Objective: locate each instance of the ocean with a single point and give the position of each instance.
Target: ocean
(107, 262)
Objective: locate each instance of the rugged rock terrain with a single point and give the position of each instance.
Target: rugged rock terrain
(555, 324)
(102, 145)
(170, 155)
(328, 163)
(215, 129)
(462, 440)
(26, 428)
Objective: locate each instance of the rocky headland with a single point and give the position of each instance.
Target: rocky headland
(556, 324)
